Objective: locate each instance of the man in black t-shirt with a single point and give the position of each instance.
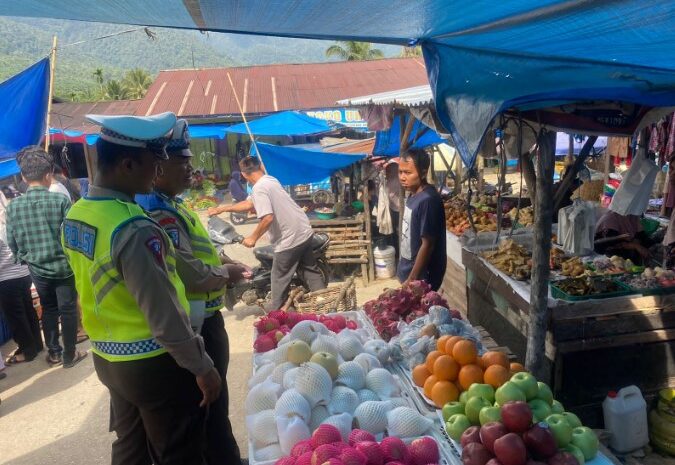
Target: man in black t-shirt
(423, 254)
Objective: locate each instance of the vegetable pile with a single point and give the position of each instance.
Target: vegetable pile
(405, 304)
(511, 259)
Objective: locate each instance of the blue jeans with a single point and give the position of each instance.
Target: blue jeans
(58, 298)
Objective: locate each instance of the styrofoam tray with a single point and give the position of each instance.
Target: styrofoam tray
(424, 405)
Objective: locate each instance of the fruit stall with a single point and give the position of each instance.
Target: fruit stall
(611, 324)
(404, 381)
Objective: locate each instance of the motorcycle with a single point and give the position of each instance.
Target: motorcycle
(259, 286)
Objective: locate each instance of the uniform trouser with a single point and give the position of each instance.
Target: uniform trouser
(221, 447)
(155, 412)
(284, 266)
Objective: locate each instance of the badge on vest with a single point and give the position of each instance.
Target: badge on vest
(80, 237)
(154, 244)
(174, 235)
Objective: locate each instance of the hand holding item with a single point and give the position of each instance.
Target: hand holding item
(237, 272)
(249, 242)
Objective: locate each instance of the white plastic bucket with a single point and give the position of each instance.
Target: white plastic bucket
(385, 262)
(625, 415)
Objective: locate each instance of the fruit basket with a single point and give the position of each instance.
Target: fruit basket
(332, 299)
(578, 289)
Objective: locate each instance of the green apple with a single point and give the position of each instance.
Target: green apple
(576, 452)
(489, 414)
(473, 408)
(526, 383)
(557, 407)
(464, 397)
(572, 419)
(456, 425)
(585, 439)
(452, 408)
(485, 391)
(544, 393)
(540, 409)
(509, 391)
(562, 431)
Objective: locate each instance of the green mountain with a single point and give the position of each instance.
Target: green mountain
(83, 47)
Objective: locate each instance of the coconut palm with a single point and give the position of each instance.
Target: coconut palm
(136, 83)
(352, 51)
(114, 90)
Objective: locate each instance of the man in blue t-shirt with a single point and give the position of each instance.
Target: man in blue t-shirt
(423, 254)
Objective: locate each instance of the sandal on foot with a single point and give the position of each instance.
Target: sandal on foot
(79, 356)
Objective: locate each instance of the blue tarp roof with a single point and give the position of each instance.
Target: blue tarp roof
(285, 123)
(482, 56)
(23, 111)
(293, 166)
(388, 143)
(8, 167)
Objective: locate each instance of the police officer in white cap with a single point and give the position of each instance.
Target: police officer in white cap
(205, 277)
(134, 307)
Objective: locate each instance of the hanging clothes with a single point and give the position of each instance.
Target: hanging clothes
(384, 223)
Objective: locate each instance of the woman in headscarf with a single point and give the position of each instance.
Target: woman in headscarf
(236, 187)
(16, 301)
(626, 237)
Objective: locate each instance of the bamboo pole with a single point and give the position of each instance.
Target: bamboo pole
(52, 69)
(243, 116)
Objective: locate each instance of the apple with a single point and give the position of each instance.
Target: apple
(557, 407)
(516, 416)
(585, 439)
(526, 383)
(490, 432)
(562, 431)
(464, 397)
(456, 425)
(509, 391)
(545, 393)
(540, 441)
(510, 450)
(470, 435)
(452, 408)
(473, 408)
(572, 419)
(475, 454)
(298, 352)
(540, 409)
(576, 452)
(328, 361)
(563, 458)
(489, 414)
(482, 390)
(494, 462)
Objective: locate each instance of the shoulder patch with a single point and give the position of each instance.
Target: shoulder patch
(172, 232)
(155, 245)
(167, 220)
(80, 237)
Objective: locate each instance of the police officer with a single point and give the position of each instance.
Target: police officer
(134, 308)
(205, 278)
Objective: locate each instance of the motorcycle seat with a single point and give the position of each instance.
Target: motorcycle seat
(264, 254)
(319, 240)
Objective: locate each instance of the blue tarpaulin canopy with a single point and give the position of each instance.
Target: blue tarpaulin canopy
(23, 110)
(388, 143)
(482, 57)
(286, 123)
(8, 167)
(293, 166)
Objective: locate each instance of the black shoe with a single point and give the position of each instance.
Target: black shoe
(79, 356)
(3, 375)
(54, 359)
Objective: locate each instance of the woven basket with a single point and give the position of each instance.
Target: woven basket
(333, 299)
(590, 190)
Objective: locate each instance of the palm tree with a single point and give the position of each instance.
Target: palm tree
(353, 51)
(136, 83)
(114, 90)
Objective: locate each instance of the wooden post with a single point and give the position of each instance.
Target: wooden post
(369, 236)
(91, 166)
(538, 322)
(52, 68)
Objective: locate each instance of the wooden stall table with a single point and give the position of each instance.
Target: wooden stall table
(592, 346)
(453, 287)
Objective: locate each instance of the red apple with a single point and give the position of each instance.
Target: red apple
(475, 454)
(516, 416)
(490, 432)
(470, 435)
(494, 462)
(563, 458)
(540, 441)
(510, 450)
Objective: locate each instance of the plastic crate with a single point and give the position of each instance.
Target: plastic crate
(558, 293)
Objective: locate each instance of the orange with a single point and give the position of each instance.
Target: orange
(496, 375)
(431, 358)
(516, 367)
(420, 375)
(494, 357)
(440, 344)
(470, 374)
(465, 352)
(444, 392)
(451, 343)
(445, 368)
(429, 384)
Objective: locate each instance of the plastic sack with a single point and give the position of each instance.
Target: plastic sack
(291, 431)
(343, 422)
(632, 195)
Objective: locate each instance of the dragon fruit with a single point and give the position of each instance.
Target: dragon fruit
(264, 343)
(266, 324)
(434, 298)
(279, 315)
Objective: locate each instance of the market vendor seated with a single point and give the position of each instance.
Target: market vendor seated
(622, 235)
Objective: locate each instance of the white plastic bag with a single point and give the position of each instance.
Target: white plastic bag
(291, 431)
(632, 196)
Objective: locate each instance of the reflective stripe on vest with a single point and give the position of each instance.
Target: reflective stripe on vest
(110, 314)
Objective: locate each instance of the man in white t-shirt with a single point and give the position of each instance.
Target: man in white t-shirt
(287, 228)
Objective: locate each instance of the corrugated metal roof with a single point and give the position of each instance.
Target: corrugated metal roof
(270, 88)
(409, 97)
(70, 115)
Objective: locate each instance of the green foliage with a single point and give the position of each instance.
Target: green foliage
(352, 51)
